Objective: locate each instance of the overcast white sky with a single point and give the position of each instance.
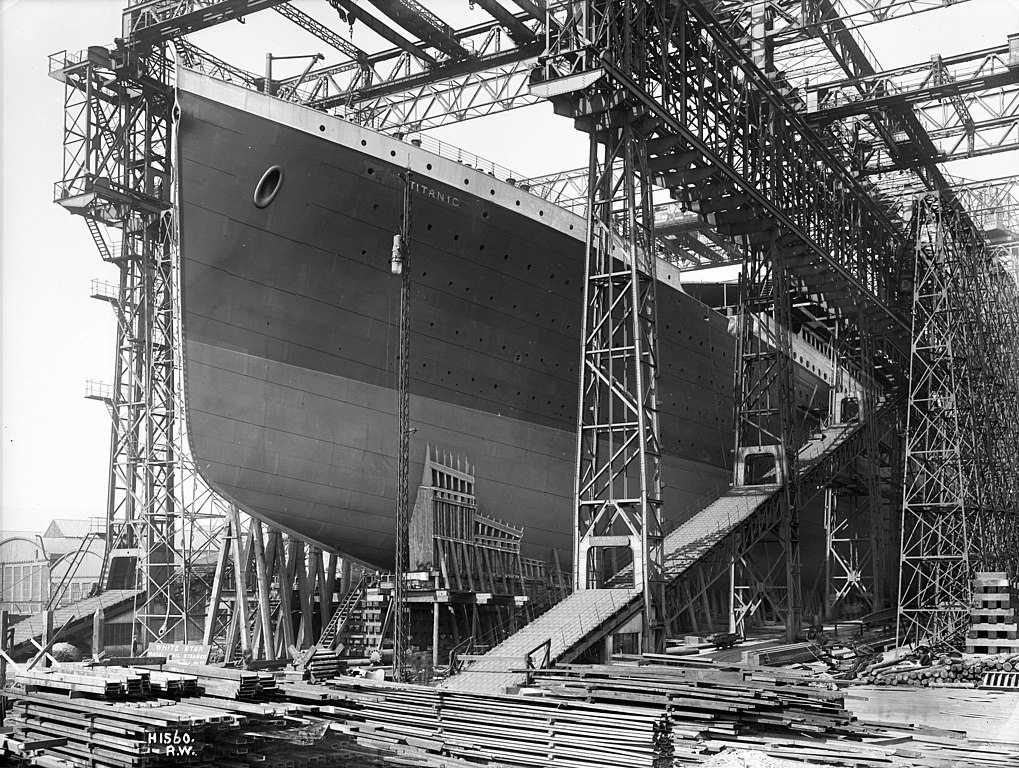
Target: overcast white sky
(55, 452)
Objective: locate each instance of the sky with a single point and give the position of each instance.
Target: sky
(53, 336)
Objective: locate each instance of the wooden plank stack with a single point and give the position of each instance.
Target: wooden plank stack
(681, 711)
(622, 715)
(429, 724)
(225, 682)
(103, 717)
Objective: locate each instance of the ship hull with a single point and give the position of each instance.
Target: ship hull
(291, 329)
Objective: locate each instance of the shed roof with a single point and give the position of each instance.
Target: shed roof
(62, 527)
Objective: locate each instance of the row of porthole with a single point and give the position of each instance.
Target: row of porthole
(542, 361)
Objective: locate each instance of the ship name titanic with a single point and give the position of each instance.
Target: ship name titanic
(434, 194)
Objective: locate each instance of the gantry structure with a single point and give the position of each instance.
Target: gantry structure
(717, 136)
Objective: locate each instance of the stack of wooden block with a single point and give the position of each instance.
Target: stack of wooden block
(993, 626)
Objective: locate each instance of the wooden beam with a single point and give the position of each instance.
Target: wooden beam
(47, 637)
(217, 585)
(330, 588)
(286, 571)
(319, 575)
(53, 637)
(299, 563)
(240, 585)
(262, 576)
(98, 632)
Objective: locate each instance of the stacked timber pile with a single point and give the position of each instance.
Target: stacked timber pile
(224, 682)
(131, 717)
(576, 717)
(621, 715)
(941, 670)
(431, 726)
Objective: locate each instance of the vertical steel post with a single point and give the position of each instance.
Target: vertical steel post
(401, 267)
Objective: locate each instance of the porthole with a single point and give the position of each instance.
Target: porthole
(268, 186)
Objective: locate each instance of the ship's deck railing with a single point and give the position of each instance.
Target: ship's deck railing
(471, 160)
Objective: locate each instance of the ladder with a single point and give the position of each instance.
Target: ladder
(72, 569)
(342, 614)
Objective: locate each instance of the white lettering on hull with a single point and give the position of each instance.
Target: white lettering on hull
(434, 194)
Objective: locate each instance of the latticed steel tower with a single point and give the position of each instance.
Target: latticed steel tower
(618, 487)
(117, 176)
(956, 503)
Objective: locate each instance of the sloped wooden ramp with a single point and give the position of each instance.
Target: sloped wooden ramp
(588, 616)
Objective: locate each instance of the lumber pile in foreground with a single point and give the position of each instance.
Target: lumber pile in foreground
(625, 715)
(942, 670)
(203, 716)
(629, 715)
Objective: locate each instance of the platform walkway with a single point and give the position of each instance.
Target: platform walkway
(587, 616)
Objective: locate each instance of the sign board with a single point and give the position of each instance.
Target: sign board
(180, 653)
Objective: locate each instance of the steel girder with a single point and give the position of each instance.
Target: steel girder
(993, 128)
(319, 30)
(695, 248)
(858, 497)
(156, 21)
(685, 591)
(710, 96)
(430, 104)
(934, 80)
(428, 27)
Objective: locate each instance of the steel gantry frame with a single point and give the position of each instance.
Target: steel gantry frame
(726, 142)
(618, 487)
(969, 103)
(117, 175)
(959, 503)
(699, 116)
